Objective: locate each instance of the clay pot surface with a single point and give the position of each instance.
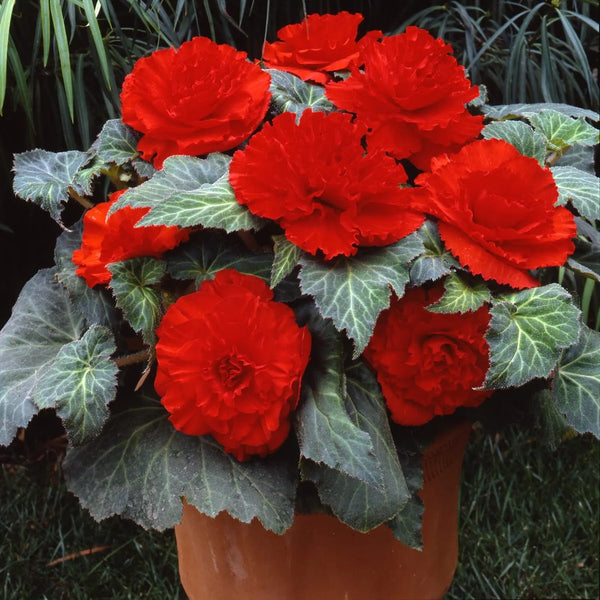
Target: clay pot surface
(320, 558)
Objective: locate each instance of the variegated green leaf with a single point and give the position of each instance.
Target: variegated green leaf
(354, 502)
(141, 467)
(352, 291)
(285, 260)
(42, 322)
(209, 252)
(502, 111)
(528, 331)
(80, 384)
(576, 384)
(291, 94)
(520, 135)
(435, 261)
(580, 188)
(326, 432)
(562, 131)
(460, 296)
(45, 177)
(133, 284)
(188, 192)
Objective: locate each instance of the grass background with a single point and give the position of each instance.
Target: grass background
(529, 528)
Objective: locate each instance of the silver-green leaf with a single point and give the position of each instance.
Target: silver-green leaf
(355, 502)
(520, 135)
(189, 192)
(460, 296)
(501, 111)
(141, 467)
(562, 131)
(528, 331)
(42, 322)
(352, 291)
(580, 188)
(576, 384)
(285, 260)
(291, 94)
(44, 178)
(80, 384)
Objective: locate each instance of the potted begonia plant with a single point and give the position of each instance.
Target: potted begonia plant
(290, 276)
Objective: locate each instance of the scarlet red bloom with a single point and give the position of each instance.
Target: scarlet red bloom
(114, 239)
(411, 95)
(496, 211)
(315, 179)
(230, 363)
(316, 48)
(428, 363)
(201, 98)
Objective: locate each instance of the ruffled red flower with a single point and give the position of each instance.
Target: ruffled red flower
(114, 239)
(315, 179)
(230, 364)
(411, 95)
(201, 98)
(316, 48)
(428, 363)
(496, 212)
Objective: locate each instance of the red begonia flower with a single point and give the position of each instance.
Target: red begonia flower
(428, 363)
(230, 364)
(411, 95)
(316, 48)
(114, 239)
(201, 98)
(496, 212)
(315, 179)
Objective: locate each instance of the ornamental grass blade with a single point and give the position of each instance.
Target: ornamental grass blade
(355, 502)
(352, 291)
(325, 430)
(188, 192)
(42, 322)
(80, 383)
(6, 10)
(64, 54)
(580, 188)
(527, 334)
(576, 384)
(141, 467)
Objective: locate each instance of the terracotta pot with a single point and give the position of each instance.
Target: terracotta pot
(319, 558)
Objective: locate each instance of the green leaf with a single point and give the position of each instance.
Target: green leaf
(460, 296)
(45, 177)
(117, 143)
(80, 384)
(42, 322)
(502, 111)
(92, 23)
(527, 333)
(95, 304)
(132, 284)
(325, 431)
(407, 524)
(435, 261)
(580, 188)
(354, 290)
(140, 467)
(208, 252)
(359, 505)
(580, 157)
(191, 191)
(286, 258)
(562, 131)
(576, 385)
(291, 94)
(520, 135)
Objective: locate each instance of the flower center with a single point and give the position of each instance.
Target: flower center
(233, 372)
